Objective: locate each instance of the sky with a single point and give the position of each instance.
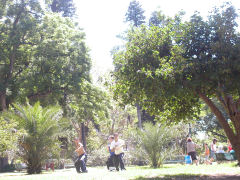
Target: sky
(103, 20)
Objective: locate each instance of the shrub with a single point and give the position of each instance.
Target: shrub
(41, 127)
(158, 142)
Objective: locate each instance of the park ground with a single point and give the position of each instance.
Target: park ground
(202, 172)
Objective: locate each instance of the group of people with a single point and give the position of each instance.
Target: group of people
(209, 152)
(115, 149)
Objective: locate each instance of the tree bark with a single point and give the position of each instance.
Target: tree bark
(83, 136)
(3, 101)
(139, 115)
(234, 137)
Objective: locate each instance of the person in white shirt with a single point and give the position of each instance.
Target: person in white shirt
(117, 147)
(213, 149)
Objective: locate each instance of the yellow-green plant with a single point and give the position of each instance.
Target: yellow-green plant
(41, 127)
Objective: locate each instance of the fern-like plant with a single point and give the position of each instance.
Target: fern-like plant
(41, 127)
(157, 142)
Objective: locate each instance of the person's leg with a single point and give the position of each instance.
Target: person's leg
(121, 161)
(116, 161)
(108, 162)
(77, 165)
(111, 161)
(83, 159)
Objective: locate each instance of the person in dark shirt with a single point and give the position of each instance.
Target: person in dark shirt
(110, 161)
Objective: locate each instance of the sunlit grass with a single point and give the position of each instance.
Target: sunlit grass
(101, 173)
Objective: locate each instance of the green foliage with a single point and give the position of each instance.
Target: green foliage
(135, 13)
(209, 124)
(66, 7)
(41, 127)
(44, 56)
(9, 135)
(158, 142)
(164, 68)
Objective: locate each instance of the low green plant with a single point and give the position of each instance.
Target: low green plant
(158, 142)
(41, 127)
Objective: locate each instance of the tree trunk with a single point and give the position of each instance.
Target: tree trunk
(234, 137)
(139, 115)
(83, 136)
(3, 101)
(3, 163)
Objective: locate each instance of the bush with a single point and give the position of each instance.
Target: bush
(41, 127)
(158, 142)
(98, 157)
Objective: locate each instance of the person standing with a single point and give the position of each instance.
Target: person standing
(110, 161)
(191, 150)
(80, 163)
(213, 149)
(117, 148)
(207, 153)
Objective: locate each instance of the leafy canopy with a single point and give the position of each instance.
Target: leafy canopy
(164, 68)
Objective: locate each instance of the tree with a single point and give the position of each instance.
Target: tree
(41, 127)
(66, 7)
(92, 104)
(135, 13)
(18, 23)
(170, 69)
(60, 62)
(44, 56)
(157, 18)
(209, 124)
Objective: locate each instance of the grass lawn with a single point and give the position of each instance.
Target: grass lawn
(216, 171)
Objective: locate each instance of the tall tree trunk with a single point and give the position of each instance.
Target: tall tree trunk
(3, 101)
(234, 137)
(83, 136)
(139, 115)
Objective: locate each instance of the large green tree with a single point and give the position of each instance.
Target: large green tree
(135, 13)
(169, 69)
(42, 54)
(19, 20)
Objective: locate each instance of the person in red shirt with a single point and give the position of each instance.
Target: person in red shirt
(229, 146)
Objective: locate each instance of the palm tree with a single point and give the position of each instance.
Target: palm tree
(41, 127)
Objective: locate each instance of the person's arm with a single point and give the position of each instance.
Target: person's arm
(112, 147)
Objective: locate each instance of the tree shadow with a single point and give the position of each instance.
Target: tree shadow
(192, 177)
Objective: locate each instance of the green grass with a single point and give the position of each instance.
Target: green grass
(136, 173)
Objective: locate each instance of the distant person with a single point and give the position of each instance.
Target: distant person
(117, 148)
(220, 149)
(191, 150)
(80, 163)
(213, 149)
(110, 161)
(207, 153)
(229, 146)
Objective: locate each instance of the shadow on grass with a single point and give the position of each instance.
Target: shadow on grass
(148, 167)
(192, 177)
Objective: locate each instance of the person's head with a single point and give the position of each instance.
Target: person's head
(110, 138)
(214, 141)
(189, 139)
(116, 136)
(206, 145)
